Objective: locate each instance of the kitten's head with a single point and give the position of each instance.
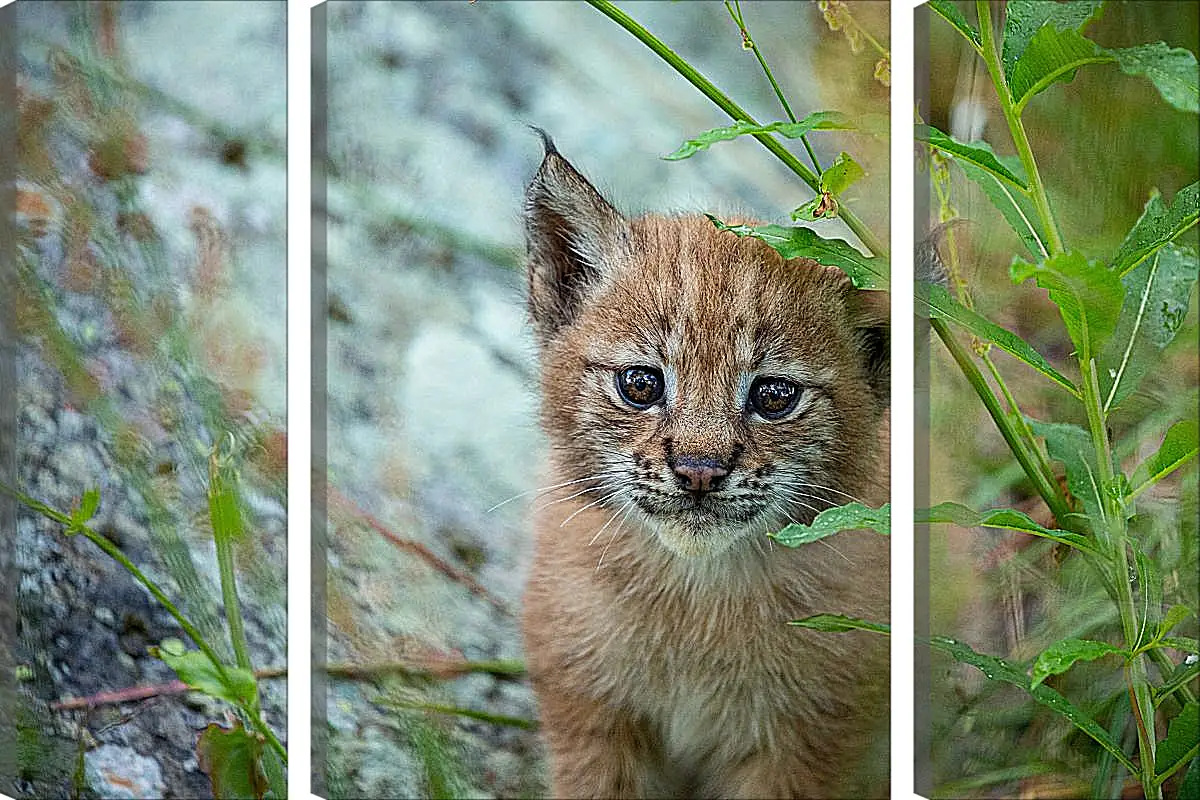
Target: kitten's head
(693, 377)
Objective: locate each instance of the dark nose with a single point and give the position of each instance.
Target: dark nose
(699, 474)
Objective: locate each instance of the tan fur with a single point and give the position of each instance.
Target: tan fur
(656, 632)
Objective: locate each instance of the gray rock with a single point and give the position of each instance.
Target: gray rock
(122, 773)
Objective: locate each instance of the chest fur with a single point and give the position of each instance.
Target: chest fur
(707, 659)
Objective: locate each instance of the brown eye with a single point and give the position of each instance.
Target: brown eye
(641, 387)
(773, 398)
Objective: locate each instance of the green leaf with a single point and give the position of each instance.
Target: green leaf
(836, 623)
(1150, 593)
(817, 121)
(1052, 55)
(1157, 292)
(979, 154)
(1024, 18)
(934, 300)
(1158, 225)
(834, 520)
(1179, 446)
(820, 207)
(275, 772)
(1185, 643)
(232, 759)
(999, 670)
(1005, 518)
(839, 175)
(1181, 744)
(197, 671)
(1189, 789)
(1072, 445)
(1172, 70)
(1175, 615)
(949, 12)
(87, 507)
(172, 646)
(1089, 297)
(866, 272)
(1062, 655)
(224, 504)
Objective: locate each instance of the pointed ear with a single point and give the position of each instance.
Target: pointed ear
(870, 315)
(572, 234)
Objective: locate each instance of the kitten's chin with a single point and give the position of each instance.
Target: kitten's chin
(698, 539)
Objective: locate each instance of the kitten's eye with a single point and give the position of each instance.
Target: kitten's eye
(773, 398)
(641, 387)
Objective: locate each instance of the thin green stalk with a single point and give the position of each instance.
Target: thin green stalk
(722, 101)
(470, 713)
(265, 731)
(1018, 418)
(940, 177)
(1116, 535)
(1037, 190)
(735, 11)
(115, 553)
(1047, 489)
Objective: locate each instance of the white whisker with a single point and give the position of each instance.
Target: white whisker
(544, 506)
(830, 489)
(839, 552)
(592, 504)
(616, 530)
(604, 527)
(543, 489)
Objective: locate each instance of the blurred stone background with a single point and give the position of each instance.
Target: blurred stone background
(150, 309)
(432, 378)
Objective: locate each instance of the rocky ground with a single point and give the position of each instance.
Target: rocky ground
(431, 371)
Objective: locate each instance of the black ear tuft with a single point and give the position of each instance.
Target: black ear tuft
(870, 314)
(876, 346)
(572, 234)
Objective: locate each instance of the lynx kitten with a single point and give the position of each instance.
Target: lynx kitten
(699, 392)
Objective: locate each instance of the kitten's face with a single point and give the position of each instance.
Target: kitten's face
(703, 384)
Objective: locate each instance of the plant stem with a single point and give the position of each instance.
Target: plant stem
(1019, 419)
(470, 713)
(1116, 537)
(722, 101)
(735, 11)
(115, 553)
(1037, 190)
(1047, 489)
